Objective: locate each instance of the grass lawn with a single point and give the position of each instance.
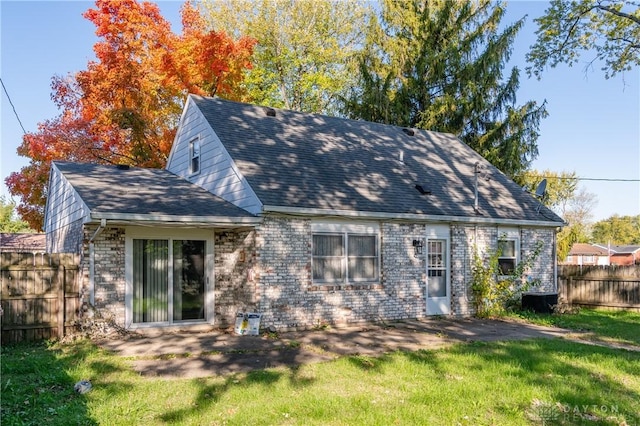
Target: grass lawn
(499, 383)
(616, 326)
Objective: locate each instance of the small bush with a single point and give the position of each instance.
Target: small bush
(493, 293)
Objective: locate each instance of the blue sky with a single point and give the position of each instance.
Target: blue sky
(593, 127)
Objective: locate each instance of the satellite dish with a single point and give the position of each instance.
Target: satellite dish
(541, 189)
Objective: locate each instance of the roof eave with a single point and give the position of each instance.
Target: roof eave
(174, 220)
(300, 211)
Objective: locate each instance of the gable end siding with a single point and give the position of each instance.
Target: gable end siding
(218, 173)
(65, 215)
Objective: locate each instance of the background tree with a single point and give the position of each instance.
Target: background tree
(570, 28)
(438, 66)
(561, 187)
(9, 222)
(576, 211)
(305, 54)
(124, 108)
(618, 230)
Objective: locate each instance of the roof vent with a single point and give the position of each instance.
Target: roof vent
(409, 132)
(123, 167)
(421, 190)
(270, 111)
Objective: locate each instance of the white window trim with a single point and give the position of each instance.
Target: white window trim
(345, 229)
(192, 143)
(441, 233)
(510, 234)
(132, 233)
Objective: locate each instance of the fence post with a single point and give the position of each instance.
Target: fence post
(61, 300)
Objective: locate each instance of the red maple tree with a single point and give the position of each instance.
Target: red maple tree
(124, 108)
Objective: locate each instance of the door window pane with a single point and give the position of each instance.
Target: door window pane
(150, 280)
(154, 299)
(188, 279)
(436, 268)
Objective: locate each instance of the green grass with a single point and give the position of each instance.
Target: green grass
(516, 383)
(616, 326)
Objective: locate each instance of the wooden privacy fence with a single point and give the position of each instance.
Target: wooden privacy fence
(601, 286)
(40, 295)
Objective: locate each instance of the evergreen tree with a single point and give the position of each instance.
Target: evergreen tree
(437, 65)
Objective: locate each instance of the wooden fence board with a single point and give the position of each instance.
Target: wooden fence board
(39, 295)
(609, 287)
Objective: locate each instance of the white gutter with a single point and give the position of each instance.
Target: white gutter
(405, 216)
(92, 262)
(177, 220)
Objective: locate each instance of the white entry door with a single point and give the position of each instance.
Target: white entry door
(438, 287)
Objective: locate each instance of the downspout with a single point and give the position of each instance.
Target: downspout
(555, 263)
(92, 262)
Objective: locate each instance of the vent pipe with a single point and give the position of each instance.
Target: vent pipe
(476, 173)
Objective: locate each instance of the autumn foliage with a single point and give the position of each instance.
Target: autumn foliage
(124, 108)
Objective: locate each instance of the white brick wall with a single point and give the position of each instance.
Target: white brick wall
(269, 270)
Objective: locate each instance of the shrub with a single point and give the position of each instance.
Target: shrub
(494, 293)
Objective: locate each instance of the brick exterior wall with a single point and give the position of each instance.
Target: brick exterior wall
(268, 270)
(290, 300)
(236, 286)
(109, 279)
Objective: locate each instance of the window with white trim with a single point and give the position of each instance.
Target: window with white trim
(344, 254)
(508, 247)
(194, 156)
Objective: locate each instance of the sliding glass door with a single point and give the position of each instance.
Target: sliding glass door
(150, 281)
(168, 280)
(188, 280)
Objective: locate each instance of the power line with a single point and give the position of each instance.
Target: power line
(586, 178)
(14, 108)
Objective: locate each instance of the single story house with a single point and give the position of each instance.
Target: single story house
(303, 218)
(584, 254)
(622, 255)
(22, 242)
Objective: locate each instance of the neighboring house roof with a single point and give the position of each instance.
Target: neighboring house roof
(583, 249)
(22, 242)
(301, 161)
(620, 249)
(131, 193)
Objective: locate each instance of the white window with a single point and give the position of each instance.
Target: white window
(194, 156)
(344, 253)
(508, 247)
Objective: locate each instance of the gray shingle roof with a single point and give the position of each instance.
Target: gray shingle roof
(22, 242)
(300, 160)
(141, 191)
(585, 249)
(619, 249)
